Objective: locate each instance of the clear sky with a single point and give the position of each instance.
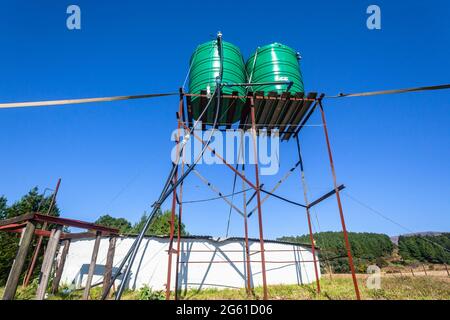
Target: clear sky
(392, 152)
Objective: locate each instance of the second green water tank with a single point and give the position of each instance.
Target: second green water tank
(205, 66)
(275, 62)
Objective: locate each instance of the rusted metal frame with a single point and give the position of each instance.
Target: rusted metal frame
(180, 215)
(222, 159)
(73, 223)
(258, 199)
(37, 217)
(60, 267)
(13, 226)
(19, 219)
(181, 122)
(40, 239)
(308, 215)
(247, 246)
(88, 286)
(171, 235)
(258, 125)
(37, 232)
(325, 196)
(19, 261)
(338, 198)
(250, 97)
(174, 202)
(46, 233)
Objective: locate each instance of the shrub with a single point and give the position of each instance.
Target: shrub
(147, 293)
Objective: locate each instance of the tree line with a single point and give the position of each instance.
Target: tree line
(367, 249)
(374, 248)
(425, 248)
(159, 227)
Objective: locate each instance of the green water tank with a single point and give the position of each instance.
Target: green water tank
(205, 66)
(275, 62)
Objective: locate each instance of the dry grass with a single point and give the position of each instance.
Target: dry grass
(393, 287)
(341, 288)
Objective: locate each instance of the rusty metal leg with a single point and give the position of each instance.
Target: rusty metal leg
(258, 198)
(247, 247)
(341, 211)
(308, 215)
(180, 206)
(172, 230)
(180, 214)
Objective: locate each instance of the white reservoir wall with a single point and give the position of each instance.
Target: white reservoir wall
(204, 263)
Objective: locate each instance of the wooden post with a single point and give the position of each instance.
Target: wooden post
(16, 269)
(446, 268)
(424, 270)
(60, 268)
(412, 272)
(47, 264)
(109, 264)
(87, 288)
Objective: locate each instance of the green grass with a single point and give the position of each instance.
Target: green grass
(392, 288)
(339, 288)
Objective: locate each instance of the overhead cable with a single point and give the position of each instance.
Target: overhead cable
(395, 91)
(83, 100)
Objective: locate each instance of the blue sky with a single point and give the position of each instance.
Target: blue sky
(392, 152)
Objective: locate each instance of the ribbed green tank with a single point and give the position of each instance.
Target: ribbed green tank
(275, 62)
(205, 66)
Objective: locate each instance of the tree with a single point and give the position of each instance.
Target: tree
(160, 225)
(9, 242)
(425, 248)
(3, 207)
(122, 224)
(33, 201)
(367, 248)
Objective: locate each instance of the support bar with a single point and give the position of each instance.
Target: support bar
(326, 196)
